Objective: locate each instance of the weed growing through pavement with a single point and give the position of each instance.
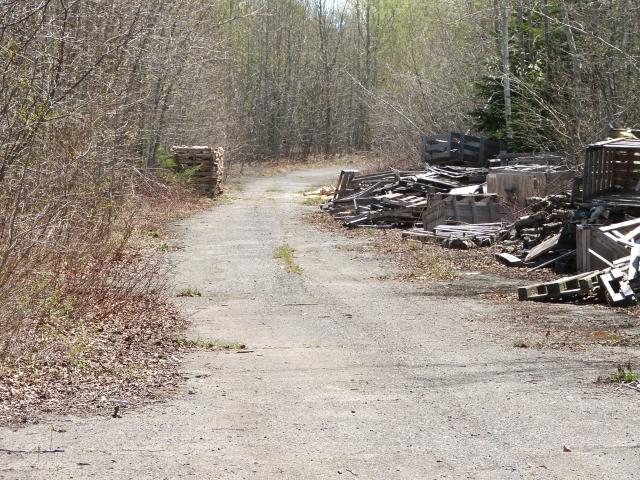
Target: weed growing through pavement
(624, 375)
(285, 253)
(189, 292)
(313, 200)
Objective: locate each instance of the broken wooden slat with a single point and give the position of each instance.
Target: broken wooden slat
(552, 261)
(545, 247)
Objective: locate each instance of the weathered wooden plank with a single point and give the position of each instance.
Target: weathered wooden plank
(543, 248)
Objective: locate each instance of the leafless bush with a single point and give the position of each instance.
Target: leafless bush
(85, 88)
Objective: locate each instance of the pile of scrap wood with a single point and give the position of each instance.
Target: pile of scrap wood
(546, 217)
(397, 198)
(608, 262)
(522, 205)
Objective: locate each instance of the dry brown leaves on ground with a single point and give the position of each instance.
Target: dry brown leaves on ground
(101, 333)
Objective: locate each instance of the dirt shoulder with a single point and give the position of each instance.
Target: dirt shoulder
(106, 337)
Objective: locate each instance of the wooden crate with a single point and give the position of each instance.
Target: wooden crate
(517, 183)
(600, 246)
(611, 166)
(472, 209)
(455, 148)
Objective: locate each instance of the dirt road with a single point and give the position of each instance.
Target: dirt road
(351, 374)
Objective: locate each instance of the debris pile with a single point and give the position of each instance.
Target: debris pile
(397, 198)
(534, 209)
(546, 217)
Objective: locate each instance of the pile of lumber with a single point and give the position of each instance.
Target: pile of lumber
(208, 163)
(396, 198)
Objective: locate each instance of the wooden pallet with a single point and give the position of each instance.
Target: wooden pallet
(576, 285)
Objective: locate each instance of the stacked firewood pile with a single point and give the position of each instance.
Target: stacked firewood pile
(547, 217)
(208, 163)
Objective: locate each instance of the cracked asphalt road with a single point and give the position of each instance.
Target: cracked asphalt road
(350, 374)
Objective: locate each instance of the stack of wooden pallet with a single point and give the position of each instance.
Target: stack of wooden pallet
(208, 164)
(453, 148)
(611, 284)
(614, 250)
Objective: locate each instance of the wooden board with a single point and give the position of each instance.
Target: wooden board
(546, 246)
(600, 247)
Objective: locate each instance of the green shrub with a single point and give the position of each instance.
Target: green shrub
(172, 172)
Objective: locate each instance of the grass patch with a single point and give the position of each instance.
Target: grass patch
(624, 375)
(189, 292)
(224, 199)
(314, 201)
(520, 344)
(274, 189)
(285, 253)
(206, 344)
